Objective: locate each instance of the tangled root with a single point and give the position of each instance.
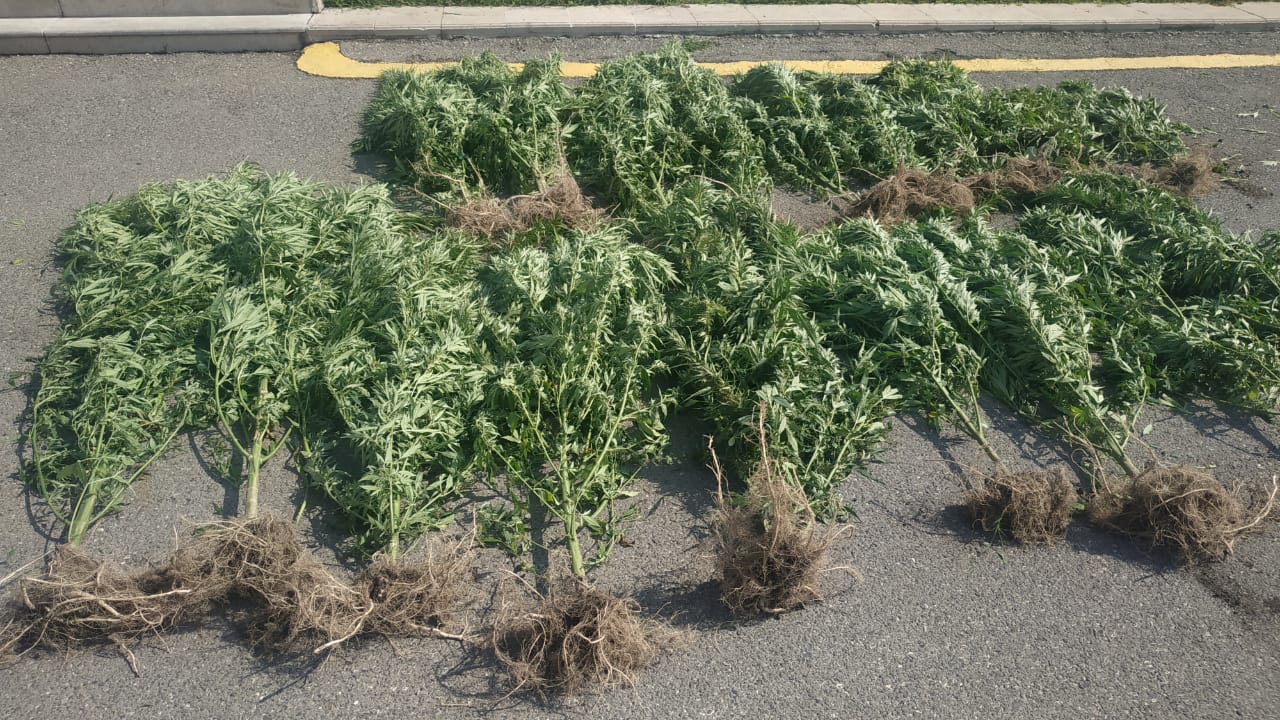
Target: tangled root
(1020, 175)
(562, 201)
(905, 194)
(410, 598)
(577, 638)
(82, 600)
(1032, 507)
(770, 552)
(1189, 175)
(1180, 508)
(288, 600)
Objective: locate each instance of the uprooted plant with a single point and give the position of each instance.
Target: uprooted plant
(743, 336)
(770, 550)
(575, 332)
(575, 329)
(215, 303)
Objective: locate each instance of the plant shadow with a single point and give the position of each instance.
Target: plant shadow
(689, 606)
(687, 478)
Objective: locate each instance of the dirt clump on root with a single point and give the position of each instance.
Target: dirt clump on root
(280, 595)
(1031, 507)
(415, 597)
(561, 200)
(578, 638)
(1189, 175)
(1183, 509)
(770, 551)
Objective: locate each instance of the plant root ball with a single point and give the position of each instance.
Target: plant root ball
(909, 192)
(577, 638)
(80, 599)
(560, 201)
(770, 550)
(1181, 508)
(906, 194)
(287, 600)
(1034, 508)
(1189, 175)
(414, 596)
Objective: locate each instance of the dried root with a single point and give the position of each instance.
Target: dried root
(577, 638)
(81, 600)
(909, 192)
(1031, 507)
(770, 551)
(411, 597)
(288, 601)
(562, 200)
(905, 194)
(1020, 175)
(1189, 175)
(1181, 508)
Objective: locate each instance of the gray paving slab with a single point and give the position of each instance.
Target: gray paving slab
(900, 18)
(605, 20)
(541, 22)
(850, 19)
(1266, 10)
(23, 36)
(660, 19)
(789, 18)
(479, 22)
(959, 18)
(724, 19)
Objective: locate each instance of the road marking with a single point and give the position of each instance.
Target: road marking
(326, 60)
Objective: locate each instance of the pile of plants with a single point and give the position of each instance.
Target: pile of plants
(645, 123)
(517, 342)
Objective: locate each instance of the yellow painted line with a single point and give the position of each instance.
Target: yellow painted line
(326, 60)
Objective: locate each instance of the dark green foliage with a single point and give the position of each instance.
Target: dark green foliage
(648, 121)
(744, 338)
(817, 130)
(959, 127)
(575, 331)
(475, 125)
(191, 304)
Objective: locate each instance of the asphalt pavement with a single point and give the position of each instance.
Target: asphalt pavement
(931, 620)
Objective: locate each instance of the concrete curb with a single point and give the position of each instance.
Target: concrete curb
(235, 33)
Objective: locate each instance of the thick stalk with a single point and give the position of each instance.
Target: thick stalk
(251, 485)
(570, 517)
(83, 517)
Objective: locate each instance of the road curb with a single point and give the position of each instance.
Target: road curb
(237, 33)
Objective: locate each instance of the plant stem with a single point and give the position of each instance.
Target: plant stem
(83, 516)
(251, 485)
(570, 518)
